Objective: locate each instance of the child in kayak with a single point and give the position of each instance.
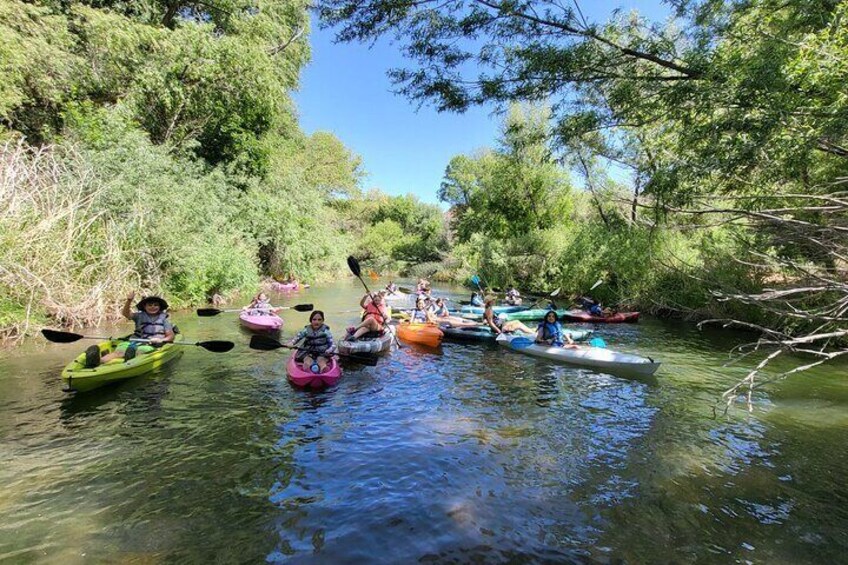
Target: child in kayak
(376, 316)
(151, 323)
(550, 332)
(316, 344)
(513, 297)
(476, 299)
(260, 306)
(391, 288)
(422, 314)
(499, 326)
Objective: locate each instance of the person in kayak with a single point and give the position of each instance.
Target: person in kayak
(260, 306)
(375, 317)
(316, 344)
(476, 299)
(592, 306)
(422, 313)
(513, 297)
(440, 309)
(550, 332)
(151, 323)
(500, 326)
(391, 288)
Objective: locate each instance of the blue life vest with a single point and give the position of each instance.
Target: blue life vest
(552, 331)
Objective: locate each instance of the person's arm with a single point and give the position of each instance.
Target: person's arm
(126, 312)
(298, 336)
(331, 344)
(363, 302)
(540, 335)
(487, 317)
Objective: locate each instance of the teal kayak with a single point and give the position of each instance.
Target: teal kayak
(485, 333)
(497, 309)
(534, 314)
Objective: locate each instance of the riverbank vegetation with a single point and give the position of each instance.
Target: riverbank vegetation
(155, 147)
(712, 150)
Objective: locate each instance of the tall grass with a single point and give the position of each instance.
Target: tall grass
(60, 257)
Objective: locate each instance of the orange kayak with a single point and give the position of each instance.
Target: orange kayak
(425, 334)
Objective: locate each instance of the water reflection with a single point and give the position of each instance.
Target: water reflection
(464, 453)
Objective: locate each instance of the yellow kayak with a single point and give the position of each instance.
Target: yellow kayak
(77, 377)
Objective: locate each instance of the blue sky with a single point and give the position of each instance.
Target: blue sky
(405, 149)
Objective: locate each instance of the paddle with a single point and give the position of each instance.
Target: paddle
(215, 346)
(206, 312)
(551, 295)
(476, 280)
(265, 343)
(353, 265)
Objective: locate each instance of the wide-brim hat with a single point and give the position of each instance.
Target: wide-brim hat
(148, 299)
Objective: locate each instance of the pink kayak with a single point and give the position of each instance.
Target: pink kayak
(299, 377)
(284, 287)
(617, 318)
(260, 322)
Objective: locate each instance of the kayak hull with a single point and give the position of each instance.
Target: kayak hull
(530, 315)
(260, 323)
(496, 309)
(81, 379)
(485, 333)
(586, 317)
(599, 359)
(369, 345)
(425, 334)
(307, 379)
(284, 287)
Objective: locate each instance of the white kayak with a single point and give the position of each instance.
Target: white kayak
(376, 344)
(601, 359)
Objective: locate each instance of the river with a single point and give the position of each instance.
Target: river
(464, 454)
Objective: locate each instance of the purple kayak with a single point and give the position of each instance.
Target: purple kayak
(302, 378)
(260, 322)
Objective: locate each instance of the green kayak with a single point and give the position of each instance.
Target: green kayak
(81, 379)
(534, 314)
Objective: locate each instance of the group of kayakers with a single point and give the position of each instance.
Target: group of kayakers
(315, 343)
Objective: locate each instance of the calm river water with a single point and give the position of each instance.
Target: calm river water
(463, 454)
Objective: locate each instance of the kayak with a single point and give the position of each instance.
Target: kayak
(485, 333)
(497, 309)
(377, 344)
(284, 287)
(81, 379)
(260, 322)
(534, 314)
(425, 334)
(298, 377)
(397, 297)
(583, 316)
(601, 359)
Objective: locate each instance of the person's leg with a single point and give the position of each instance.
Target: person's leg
(306, 362)
(322, 363)
(368, 325)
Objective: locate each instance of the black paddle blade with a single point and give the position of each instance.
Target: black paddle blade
(353, 264)
(216, 346)
(264, 343)
(304, 307)
(60, 337)
(206, 312)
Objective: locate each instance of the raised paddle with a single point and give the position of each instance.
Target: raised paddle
(215, 346)
(265, 343)
(353, 264)
(206, 312)
(551, 295)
